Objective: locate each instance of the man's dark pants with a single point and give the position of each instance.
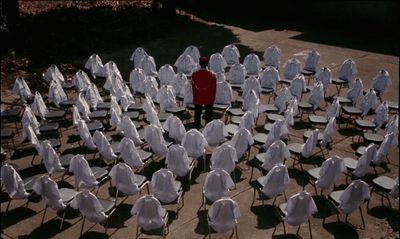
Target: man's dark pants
(197, 114)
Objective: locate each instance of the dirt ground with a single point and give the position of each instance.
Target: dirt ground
(256, 221)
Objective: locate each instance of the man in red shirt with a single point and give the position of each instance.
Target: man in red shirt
(204, 84)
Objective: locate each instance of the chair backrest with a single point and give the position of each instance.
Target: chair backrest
(381, 81)
(123, 178)
(153, 136)
(272, 56)
(217, 184)
(364, 161)
(381, 115)
(39, 107)
(241, 141)
(194, 52)
(215, 132)
(163, 185)
(312, 61)
(103, 146)
(276, 181)
(283, 97)
(270, 78)
(137, 56)
(177, 160)
(223, 215)
(166, 74)
(231, 54)
(12, 182)
(317, 94)
(252, 64)
(48, 190)
(51, 159)
(194, 142)
(297, 86)
(129, 153)
(292, 67)
(89, 206)
(251, 83)
(299, 208)
(237, 74)
(353, 196)
(355, 91)
(330, 171)
(310, 144)
(348, 70)
(324, 76)
(224, 157)
(83, 175)
(149, 212)
(217, 63)
(276, 153)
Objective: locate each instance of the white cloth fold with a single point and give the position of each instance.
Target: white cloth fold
(85, 135)
(354, 196)
(317, 94)
(277, 153)
(129, 129)
(123, 178)
(217, 63)
(21, 89)
(48, 190)
(381, 115)
(270, 78)
(136, 80)
(298, 86)
(137, 56)
(231, 54)
(179, 84)
(369, 102)
(252, 64)
(224, 93)
(292, 67)
(82, 106)
(177, 160)
(149, 213)
(215, 132)
(364, 161)
(217, 184)
(90, 206)
(330, 171)
(13, 183)
(312, 61)
(186, 64)
(223, 215)
(166, 97)
(388, 143)
(283, 97)
(54, 74)
(129, 154)
(83, 175)
(348, 70)
(56, 93)
(237, 74)
(272, 56)
(330, 128)
(299, 208)
(194, 142)
(153, 136)
(81, 80)
(241, 141)
(163, 186)
(28, 118)
(94, 64)
(50, 158)
(276, 181)
(311, 143)
(324, 76)
(381, 81)
(149, 66)
(224, 157)
(92, 96)
(39, 107)
(103, 146)
(166, 75)
(194, 52)
(175, 128)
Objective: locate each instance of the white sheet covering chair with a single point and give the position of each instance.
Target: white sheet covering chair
(195, 144)
(292, 67)
(153, 136)
(223, 216)
(55, 198)
(242, 141)
(175, 128)
(94, 65)
(272, 56)
(104, 147)
(93, 209)
(137, 159)
(253, 64)
(273, 184)
(298, 210)
(215, 132)
(231, 54)
(351, 198)
(305, 150)
(347, 71)
(217, 184)
(16, 188)
(224, 157)
(217, 63)
(327, 175)
(21, 89)
(178, 161)
(137, 56)
(150, 215)
(124, 180)
(166, 189)
(237, 74)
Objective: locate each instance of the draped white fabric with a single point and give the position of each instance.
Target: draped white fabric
(166, 75)
(21, 89)
(354, 196)
(95, 65)
(348, 70)
(153, 136)
(395, 190)
(381, 81)
(231, 54)
(85, 135)
(152, 118)
(247, 121)
(149, 66)
(163, 186)
(278, 131)
(241, 141)
(175, 128)
(312, 60)
(83, 175)
(276, 153)
(299, 208)
(28, 118)
(50, 158)
(13, 183)
(237, 74)
(330, 128)
(252, 64)
(276, 181)
(177, 160)
(270, 78)
(393, 125)
(388, 143)
(179, 84)
(166, 97)
(188, 93)
(333, 109)
(194, 52)
(82, 106)
(217, 184)
(54, 74)
(330, 171)
(81, 80)
(215, 132)
(123, 178)
(90, 207)
(186, 64)
(223, 215)
(370, 101)
(251, 102)
(92, 96)
(137, 56)
(48, 190)
(56, 94)
(76, 117)
(104, 147)
(283, 97)
(272, 56)
(109, 69)
(194, 142)
(129, 153)
(150, 87)
(149, 213)
(224, 157)
(364, 161)
(39, 107)
(316, 95)
(217, 63)
(381, 115)
(250, 84)
(136, 80)
(324, 76)
(311, 143)
(292, 67)
(129, 130)
(355, 91)
(224, 93)
(298, 86)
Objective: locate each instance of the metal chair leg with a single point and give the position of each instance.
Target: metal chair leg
(63, 218)
(44, 215)
(362, 216)
(83, 223)
(309, 227)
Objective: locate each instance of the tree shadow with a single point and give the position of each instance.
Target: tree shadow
(119, 216)
(341, 230)
(300, 176)
(267, 216)
(202, 225)
(389, 214)
(325, 207)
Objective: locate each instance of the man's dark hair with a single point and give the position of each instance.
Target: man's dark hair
(203, 62)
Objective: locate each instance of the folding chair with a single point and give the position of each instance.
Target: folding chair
(385, 186)
(223, 216)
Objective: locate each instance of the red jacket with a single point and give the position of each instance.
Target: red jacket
(204, 84)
